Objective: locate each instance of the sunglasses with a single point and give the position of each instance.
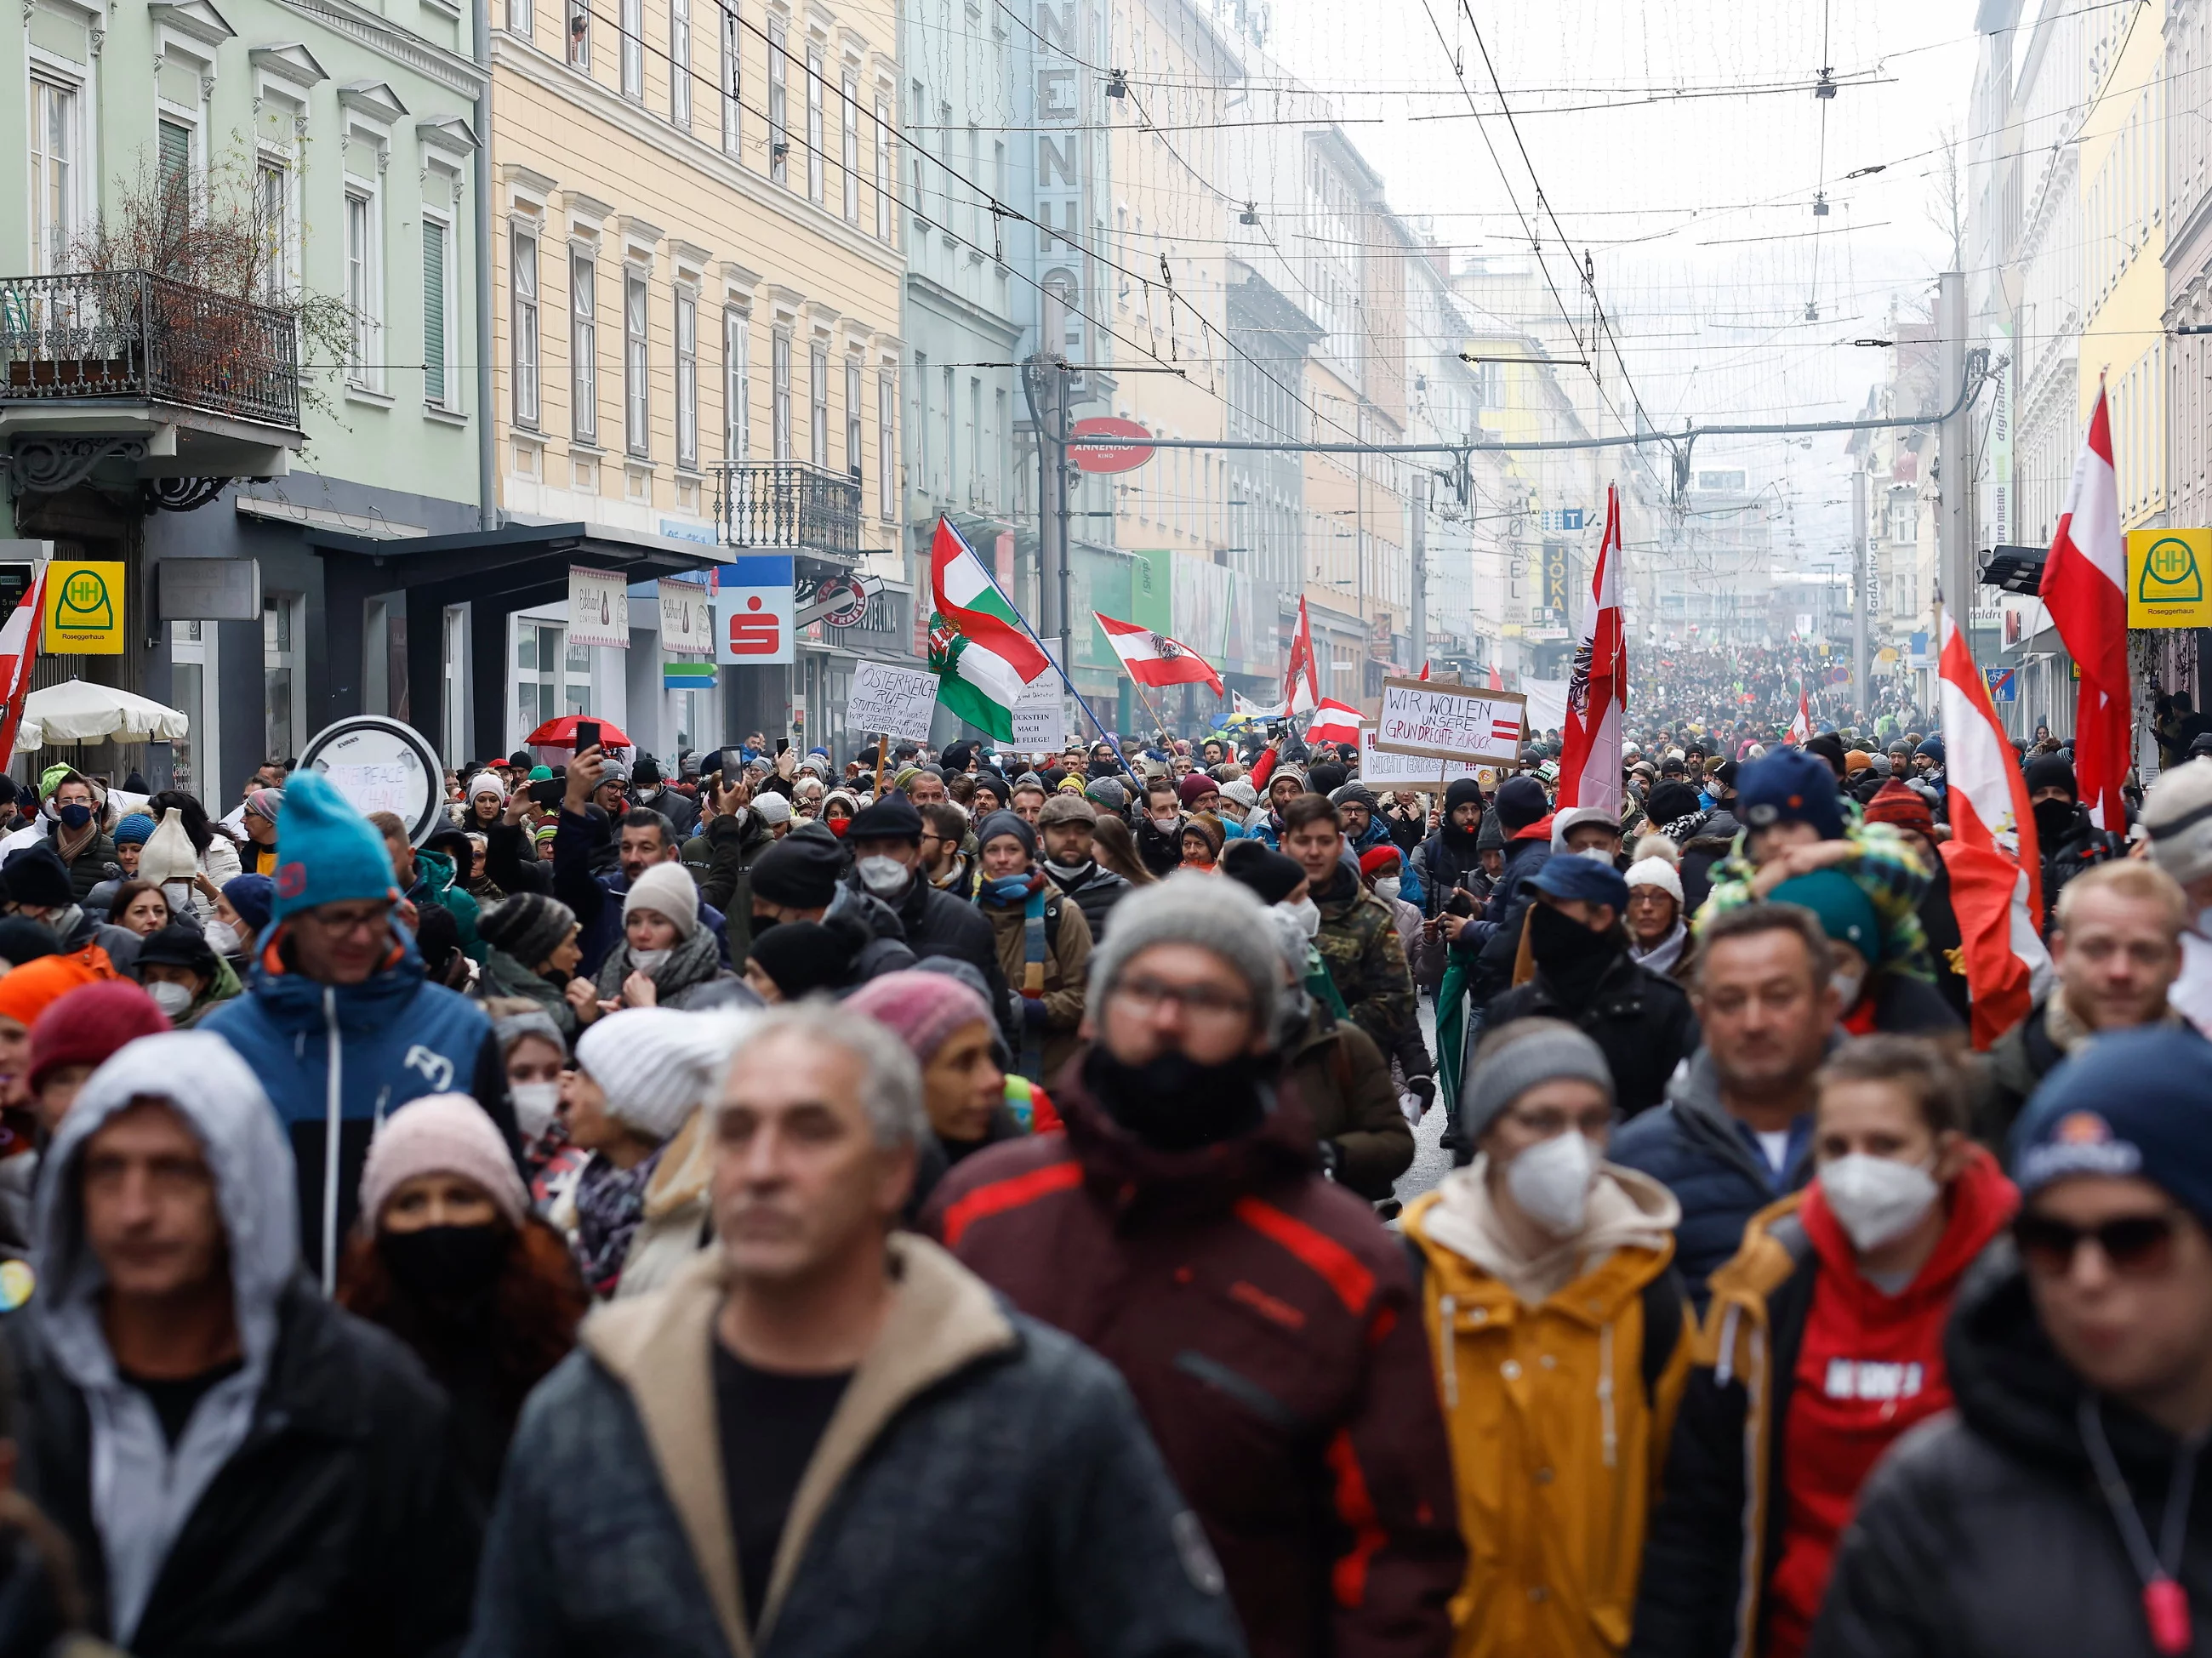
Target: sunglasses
(2138, 1246)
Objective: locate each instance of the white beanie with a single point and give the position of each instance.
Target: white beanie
(486, 782)
(666, 890)
(773, 807)
(1657, 872)
(654, 1063)
(2177, 814)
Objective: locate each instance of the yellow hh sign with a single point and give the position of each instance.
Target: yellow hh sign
(2167, 585)
(84, 609)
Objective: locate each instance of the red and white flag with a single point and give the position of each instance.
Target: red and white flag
(1153, 659)
(1597, 692)
(1497, 681)
(1301, 678)
(1334, 722)
(1801, 728)
(2085, 584)
(19, 654)
(1994, 864)
(1425, 667)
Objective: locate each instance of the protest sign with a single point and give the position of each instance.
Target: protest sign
(1426, 719)
(890, 701)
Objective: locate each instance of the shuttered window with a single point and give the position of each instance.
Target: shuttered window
(434, 239)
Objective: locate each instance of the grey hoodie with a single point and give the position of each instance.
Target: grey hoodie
(142, 1490)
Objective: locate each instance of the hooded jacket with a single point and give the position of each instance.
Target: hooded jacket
(435, 883)
(338, 1059)
(2083, 846)
(1266, 1326)
(1984, 1534)
(1343, 1081)
(1558, 1416)
(1494, 943)
(308, 1505)
(983, 1485)
(1067, 945)
(1359, 942)
(1641, 1019)
(1713, 1165)
(1729, 1519)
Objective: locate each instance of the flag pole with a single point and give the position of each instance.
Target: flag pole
(991, 576)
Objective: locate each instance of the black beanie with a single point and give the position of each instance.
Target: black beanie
(1521, 802)
(1672, 800)
(801, 870)
(894, 818)
(1326, 777)
(2052, 771)
(1267, 872)
(1460, 791)
(528, 927)
(803, 956)
(22, 939)
(35, 875)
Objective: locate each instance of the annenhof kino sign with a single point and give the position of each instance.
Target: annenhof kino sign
(1437, 721)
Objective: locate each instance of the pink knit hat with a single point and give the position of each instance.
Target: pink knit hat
(441, 1135)
(921, 1009)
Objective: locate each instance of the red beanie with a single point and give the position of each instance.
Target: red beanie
(1375, 860)
(89, 1024)
(1901, 808)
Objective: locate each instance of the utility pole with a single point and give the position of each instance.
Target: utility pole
(1419, 547)
(1955, 525)
(1045, 383)
(1862, 685)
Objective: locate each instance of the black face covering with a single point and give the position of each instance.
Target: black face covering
(1571, 956)
(445, 1266)
(2054, 822)
(1173, 1103)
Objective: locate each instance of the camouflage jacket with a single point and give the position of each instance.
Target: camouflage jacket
(1358, 943)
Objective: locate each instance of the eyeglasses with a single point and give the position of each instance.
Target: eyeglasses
(2138, 1246)
(1208, 1003)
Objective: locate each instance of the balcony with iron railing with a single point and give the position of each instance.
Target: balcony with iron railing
(789, 505)
(132, 335)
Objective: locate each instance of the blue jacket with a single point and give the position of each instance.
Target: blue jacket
(1713, 1165)
(587, 890)
(353, 1054)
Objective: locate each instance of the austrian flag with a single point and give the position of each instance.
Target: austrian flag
(1153, 659)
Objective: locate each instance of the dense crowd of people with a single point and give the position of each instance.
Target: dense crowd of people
(954, 1201)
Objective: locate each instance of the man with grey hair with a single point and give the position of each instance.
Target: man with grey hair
(1182, 1227)
(830, 1427)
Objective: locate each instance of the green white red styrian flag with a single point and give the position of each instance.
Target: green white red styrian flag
(1153, 659)
(1597, 692)
(980, 649)
(1995, 865)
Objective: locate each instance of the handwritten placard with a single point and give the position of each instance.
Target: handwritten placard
(384, 786)
(1403, 771)
(890, 701)
(1424, 719)
(1040, 717)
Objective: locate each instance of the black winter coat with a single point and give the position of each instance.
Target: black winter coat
(1641, 1020)
(1983, 1533)
(2084, 847)
(1095, 891)
(1499, 942)
(339, 1527)
(938, 924)
(2018, 1060)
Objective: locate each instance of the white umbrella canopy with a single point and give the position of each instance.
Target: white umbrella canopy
(76, 711)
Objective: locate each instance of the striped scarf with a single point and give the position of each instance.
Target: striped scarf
(1029, 891)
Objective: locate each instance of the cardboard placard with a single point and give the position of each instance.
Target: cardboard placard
(1426, 719)
(1401, 771)
(890, 701)
(1040, 717)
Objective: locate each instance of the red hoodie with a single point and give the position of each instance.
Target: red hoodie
(1870, 1366)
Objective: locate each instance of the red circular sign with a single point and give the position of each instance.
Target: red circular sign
(1119, 457)
(849, 603)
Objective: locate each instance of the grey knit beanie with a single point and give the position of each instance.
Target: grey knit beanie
(529, 926)
(1220, 916)
(666, 890)
(1528, 1052)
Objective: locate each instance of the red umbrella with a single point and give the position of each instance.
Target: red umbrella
(561, 733)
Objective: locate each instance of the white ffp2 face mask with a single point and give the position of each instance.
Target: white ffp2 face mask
(884, 877)
(1551, 1181)
(1877, 1201)
(172, 999)
(1309, 914)
(649, 962)
(1386, 886)
(536, 1105)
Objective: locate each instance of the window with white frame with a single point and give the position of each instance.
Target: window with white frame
(779, 105)
(583, 348)
(57, 185)
(848, 156)
(579, 34)
(679, 62)
(363, 285)
(818, 404)
(441, 315)
(852, 418)
(172, 157)
(633, 50)
(816, 182)
(518, 20)
(687, 378)
(882, 178)
(886, 471)
(737, 385)
(779, 394)
(732, 63)
(522, 314)
(637, 395)
(277, 224)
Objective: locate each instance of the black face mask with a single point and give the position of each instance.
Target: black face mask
(2054, 822)
(445, 1266)
(1572, 957)
(1173, 1103)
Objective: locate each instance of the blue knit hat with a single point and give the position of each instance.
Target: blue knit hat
(252, 896)
(328, 852)
(1571, 877)
(134, 830)
(2130, 1102)
(1790, 786)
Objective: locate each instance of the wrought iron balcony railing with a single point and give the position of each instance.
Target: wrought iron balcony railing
(787, 504)
(110, 335)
